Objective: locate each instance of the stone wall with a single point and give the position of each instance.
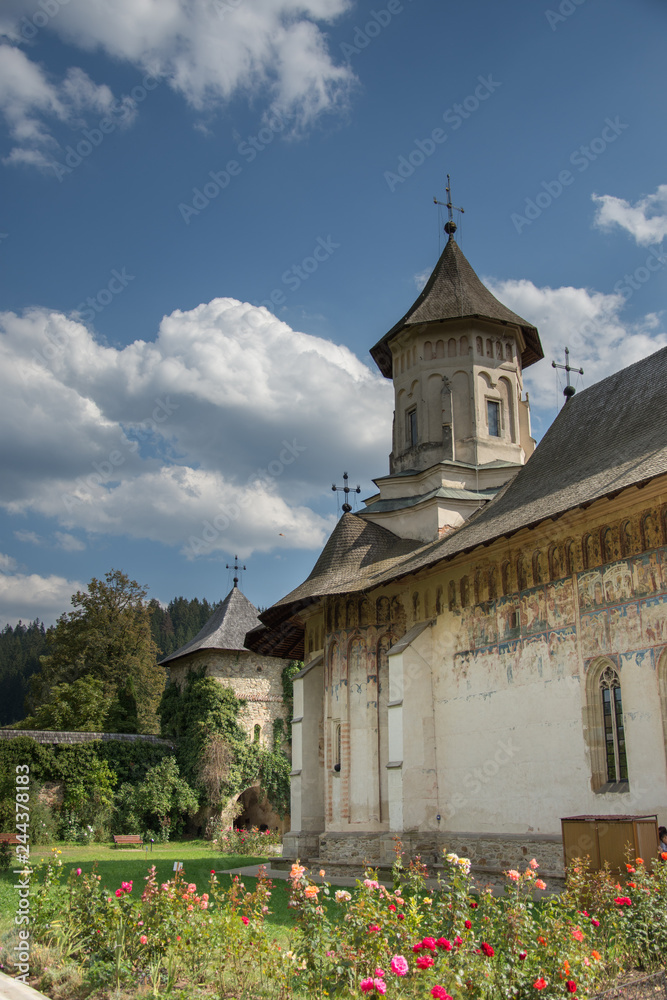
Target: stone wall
(488, 853)
(255, 679)
(44, 736)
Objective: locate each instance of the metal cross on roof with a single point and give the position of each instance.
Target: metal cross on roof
(450, 225)
(346, 489)
(236, 568)
(569, 389)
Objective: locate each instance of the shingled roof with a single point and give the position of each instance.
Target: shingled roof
(454, 292)
(356, 552)
(604, 440)
(225, 629)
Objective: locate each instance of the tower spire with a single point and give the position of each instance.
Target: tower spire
(569, 389)
(346, 490)
(450, 225)
(236, 569)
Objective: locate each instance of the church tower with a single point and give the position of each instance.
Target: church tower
(461, 427)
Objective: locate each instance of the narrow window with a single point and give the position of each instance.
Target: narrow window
(614, 731)
(493, 417)
(411, 427)
(336, 746)
(256, 733)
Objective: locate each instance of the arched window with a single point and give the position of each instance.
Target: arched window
(440, 349)
(451, 347)
(256, 733)
(428, 351)
(508, 352)
(464, 347)
(451, 600)
(521, 575)
(605, 728)
(499, 350)
(614, 730)
(505, 577)
(489, 348)
(479, 345)
(465, 592)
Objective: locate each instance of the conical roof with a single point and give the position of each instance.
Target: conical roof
(455, 292)
(225, 629)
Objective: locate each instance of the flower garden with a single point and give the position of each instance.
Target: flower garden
(444, 938)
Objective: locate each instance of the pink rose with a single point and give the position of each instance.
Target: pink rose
(380, 986)
(399, 966)
(539, 884)
(424, 962)
(440, 993)
(78, 871)
(119, 893)
(367, 985)
(143, 939)
(245, 920)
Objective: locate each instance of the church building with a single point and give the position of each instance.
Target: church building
(485, 643)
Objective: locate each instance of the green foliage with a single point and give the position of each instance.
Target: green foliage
(287, 677)
(107, 636)
(124, 714)
(160, 802)
(202, 709)
(78, 707)
(21, 647)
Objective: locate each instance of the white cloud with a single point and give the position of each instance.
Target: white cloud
(209, 52)
(28, 596)
(7, 562)
(31, 102)
(646, 220)
(586, 321)
(216, 435)
(68, 542)
(28, 536)
(422, 277)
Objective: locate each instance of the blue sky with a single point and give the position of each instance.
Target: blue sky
(211, 210)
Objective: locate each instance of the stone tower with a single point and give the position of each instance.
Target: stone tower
(461, 427)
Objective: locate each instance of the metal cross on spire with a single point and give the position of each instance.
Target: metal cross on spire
(236, 568)
(346, 489)
(450, 225)
(569, 389)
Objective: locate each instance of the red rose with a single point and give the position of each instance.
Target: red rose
(424, 962)
(571, 986)
(468, 925)
(487, 949)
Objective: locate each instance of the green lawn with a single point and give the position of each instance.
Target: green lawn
(125, 864)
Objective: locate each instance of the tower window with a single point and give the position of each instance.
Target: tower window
(493, 417)
(614, 731)
(411, 427)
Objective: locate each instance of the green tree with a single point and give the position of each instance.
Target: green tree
(108, 637)
(79, 707)
(161, 802)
